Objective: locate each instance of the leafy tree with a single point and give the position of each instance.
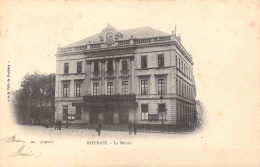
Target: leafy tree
(36, 90)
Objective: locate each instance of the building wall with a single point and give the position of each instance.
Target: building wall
(171, 71)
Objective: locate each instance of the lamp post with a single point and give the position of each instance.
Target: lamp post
(162, 112)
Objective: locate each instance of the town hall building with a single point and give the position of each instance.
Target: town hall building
(140, 75)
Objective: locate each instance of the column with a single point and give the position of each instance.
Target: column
(102, 85)
(117, 90)
(131, 81)
(88, 76)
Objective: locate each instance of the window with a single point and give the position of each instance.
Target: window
(178, 113)
(124, 65)
(162, 111)
(109, 88)
(143, 62)
(161, 107)
(110, 65)
(180, 87)
(160, 61)
(161, 86)
(65, 90)
(95, 88)
(144, 111)
(179, 64)
(78, 113)
(65, 112)
(177, 86)
(66, 68)
(96, 66)
(184, 69)
(79, 67)
(124, 87)
(144, 87)
(78, 89)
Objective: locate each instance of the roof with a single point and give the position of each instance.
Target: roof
(142, 32)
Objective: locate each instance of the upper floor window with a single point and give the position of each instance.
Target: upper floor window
(109, 88)
(161, 86)
(65, 90)
(96, 69)
(124, 65)
(181, 66)
(179, 63)
(110, 65)
(144, 111)
(78, 89)
(79, 67)
(95, 88)
(124, 87)
(144, 87)
(66, 68)
(177, 86)
(143, 62)
(160, 61)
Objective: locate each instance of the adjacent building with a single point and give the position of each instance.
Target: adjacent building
(142, 75)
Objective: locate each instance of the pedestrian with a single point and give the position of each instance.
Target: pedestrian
(99, 125)
(130, 127)
(31, 121)
(59, 124)
(56, 125)
(47, 124)
(148, 127)
(135, 128)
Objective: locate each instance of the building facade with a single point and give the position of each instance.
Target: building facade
(139, 75)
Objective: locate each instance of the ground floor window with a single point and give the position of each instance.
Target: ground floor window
(162, 111)
(144, 111)
(65, 112)
(78, 113)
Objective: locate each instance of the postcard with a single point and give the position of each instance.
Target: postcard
(129, 83)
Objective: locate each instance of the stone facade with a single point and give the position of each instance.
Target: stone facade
(140, 75)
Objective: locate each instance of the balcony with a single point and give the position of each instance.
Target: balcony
(110, 73)
(96, 74)
(125, 72)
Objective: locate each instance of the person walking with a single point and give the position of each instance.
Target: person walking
(148, 127)
(47, 124)
(135, 128)
(99, 125)
(59, 124)
(56, 125)
(31, 121)
(130, 127)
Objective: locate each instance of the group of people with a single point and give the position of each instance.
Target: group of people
(58, 125)
(131, 127)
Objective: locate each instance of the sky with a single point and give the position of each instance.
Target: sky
(222, 36)
(214, 32)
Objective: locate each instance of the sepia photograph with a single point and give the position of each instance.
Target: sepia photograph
(130, 83)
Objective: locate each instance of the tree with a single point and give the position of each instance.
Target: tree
(37, 90)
